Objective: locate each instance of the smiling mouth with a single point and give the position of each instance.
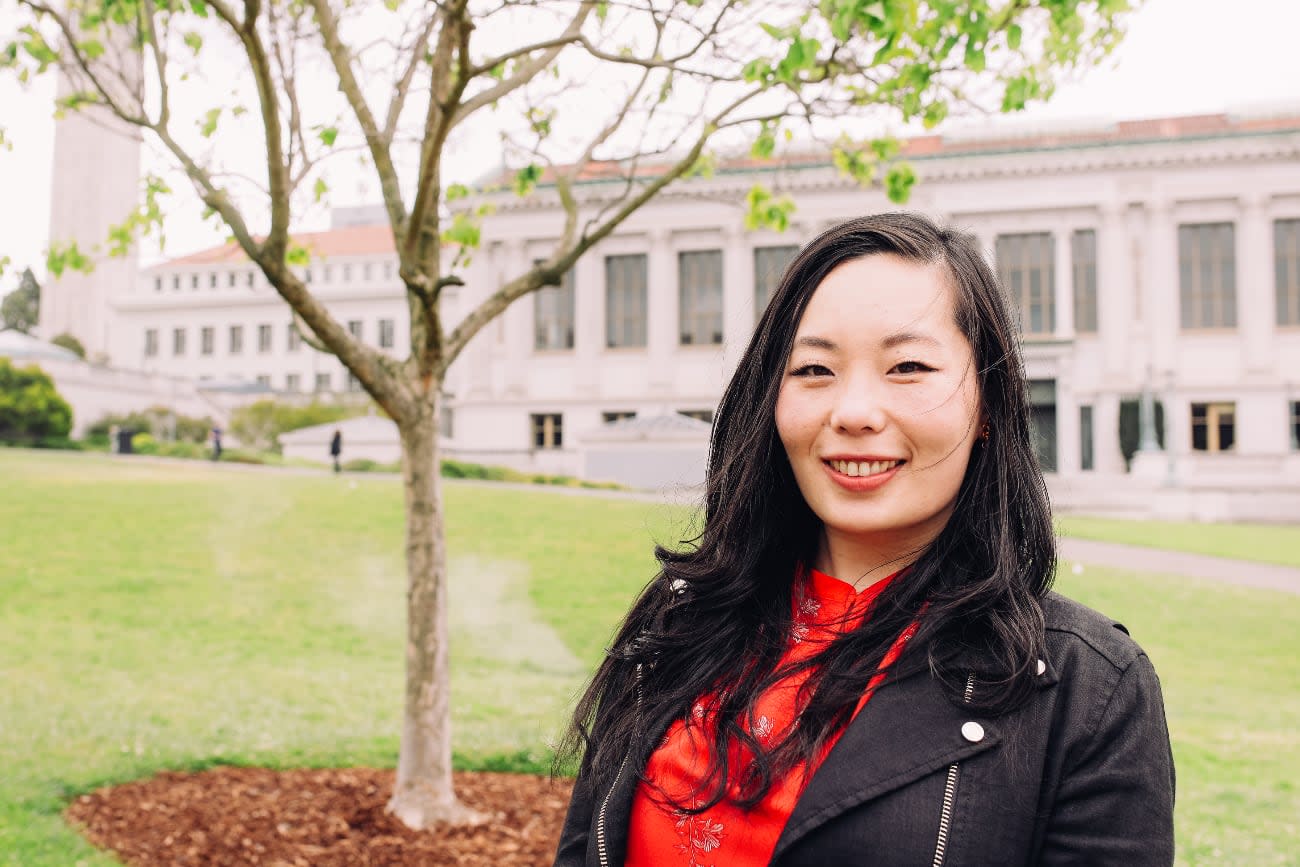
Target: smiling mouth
(860, 469)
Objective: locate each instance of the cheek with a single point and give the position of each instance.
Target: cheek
(794, 424)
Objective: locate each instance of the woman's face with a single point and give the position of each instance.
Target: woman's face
(879, 406)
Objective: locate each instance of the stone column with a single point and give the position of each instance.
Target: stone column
(1106, 454)
(1064, 289)
(1160, 306)
(1256, 301)
(517, 321)
(737, 296)
(1116, 288)
(588, 320)
(1067, 428)
(661, 312)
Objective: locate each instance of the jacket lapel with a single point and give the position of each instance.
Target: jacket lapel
(906, 731)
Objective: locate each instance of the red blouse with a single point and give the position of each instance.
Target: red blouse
(824, 607)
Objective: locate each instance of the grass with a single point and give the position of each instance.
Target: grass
(1262, 542)
(184, 615)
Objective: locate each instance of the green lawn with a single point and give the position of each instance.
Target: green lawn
(160, 616)
(1263, 542)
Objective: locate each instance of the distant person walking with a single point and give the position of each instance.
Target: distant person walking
(216, 443)
(336, 448)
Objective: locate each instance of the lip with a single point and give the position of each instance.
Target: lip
(861, 483)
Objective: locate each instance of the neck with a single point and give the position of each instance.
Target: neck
(862, 561)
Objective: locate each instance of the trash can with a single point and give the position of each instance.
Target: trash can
(124, 441)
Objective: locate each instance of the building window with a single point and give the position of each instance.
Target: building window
(230, 279)
(388, 270)
(236, 339)
(264, 337)
(264, 379)
(352, 383)
(292, 339)
(354, 328)
(157, 284)
(1085, 438)
(293, 382)
(1286, 260)
(769, 266)
(212, 280)
(252, 276)
(704, 415)
(194, 281)
(178, 341)
(1083, 262)
(347, 273)
(1027, 268)
(306, 277)
(1214, 426)
(327, 275)
(150, 342)
(553, 315)
(386, 332)
(207, 339)
(176, 281)
(1295, 425)
(322, 382)
(447, 421)
(619, 415)
(1207, 275)
(548, 430)
(699, 282)
(625, 300)
(365, 271)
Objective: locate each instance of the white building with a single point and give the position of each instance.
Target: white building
(1161, 254)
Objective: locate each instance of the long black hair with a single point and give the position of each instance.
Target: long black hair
(716, 620)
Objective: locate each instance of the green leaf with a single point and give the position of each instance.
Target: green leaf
(194, 41)
(899, 180)
(456, 192)
(91, 48)
(934, 114)
(526, 179)
(297, 255)
(464, 230)
(974, 57)
(209, 125)
(199, 8)
(328, 135)
(320, 189)
(765, 211)
(1014, 34)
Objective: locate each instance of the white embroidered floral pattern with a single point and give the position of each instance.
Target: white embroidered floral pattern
(808, 610)
(700, 836)
(763, 728)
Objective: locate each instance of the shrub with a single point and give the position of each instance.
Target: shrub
(31, 409)
(70, 343)
(366, 465)
(260, 424)
(144, 444)
(157, 421)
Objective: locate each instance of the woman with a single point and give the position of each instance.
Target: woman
(858, 660)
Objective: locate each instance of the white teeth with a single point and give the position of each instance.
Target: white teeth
(863, 468)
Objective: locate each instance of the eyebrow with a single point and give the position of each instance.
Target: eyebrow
(898, 338)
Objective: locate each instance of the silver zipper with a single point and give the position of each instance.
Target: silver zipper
(601, 851)
(949, 792)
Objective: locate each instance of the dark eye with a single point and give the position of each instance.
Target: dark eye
(910, 367)
(811, 370)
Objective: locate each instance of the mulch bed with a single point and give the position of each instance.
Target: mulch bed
(316, 818)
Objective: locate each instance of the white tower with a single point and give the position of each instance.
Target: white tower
(96, 179)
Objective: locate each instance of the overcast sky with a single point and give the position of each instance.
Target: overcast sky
(1180, 57)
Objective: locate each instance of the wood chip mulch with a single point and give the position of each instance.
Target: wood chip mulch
(316, 818)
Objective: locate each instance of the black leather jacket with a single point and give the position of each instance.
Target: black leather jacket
(1082, 774)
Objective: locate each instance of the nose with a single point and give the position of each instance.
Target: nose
(858, 407)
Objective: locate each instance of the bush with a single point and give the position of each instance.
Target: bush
(31, 409)
(70, 343)
(156, 421)
(366, 465)
(144, 444)
(464, 470)
(260, 424)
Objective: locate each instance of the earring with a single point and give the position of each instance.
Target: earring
(984, 433)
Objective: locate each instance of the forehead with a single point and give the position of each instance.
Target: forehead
(882, 293)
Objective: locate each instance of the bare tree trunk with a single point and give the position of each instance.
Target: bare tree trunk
(423, 792)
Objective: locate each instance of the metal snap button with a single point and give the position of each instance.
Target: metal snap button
(973, 732)
(1042, 668)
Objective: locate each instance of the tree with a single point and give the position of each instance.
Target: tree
(70, 343)
(31, 408)
(20, 308)
(646, 90)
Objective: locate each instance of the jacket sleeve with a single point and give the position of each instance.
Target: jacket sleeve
(572, 850)
(1115, 804)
